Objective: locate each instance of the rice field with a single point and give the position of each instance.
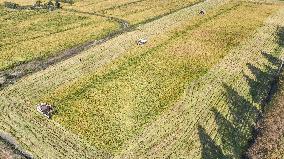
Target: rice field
(97, 5)
(199, 80)
(133, 91)
(29, 35)
(134, 11)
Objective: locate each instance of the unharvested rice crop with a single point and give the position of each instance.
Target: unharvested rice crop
(29, 35)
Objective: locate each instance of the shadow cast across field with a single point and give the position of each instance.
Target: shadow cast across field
(231, 133)
(236, 130)
(210, 150)
(263, 86)
(227, 131)
(240, 108)
(257, 149)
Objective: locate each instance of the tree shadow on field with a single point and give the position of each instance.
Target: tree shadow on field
(280, 36)
(271, 59)
(265, 85)
(209, 149)
(259, 86)
(262, 87)
(236, 132)
(229, 133)
(240, 108)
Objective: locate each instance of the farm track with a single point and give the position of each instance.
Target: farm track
(48, 137)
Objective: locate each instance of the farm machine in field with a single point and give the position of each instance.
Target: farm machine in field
(45, 109)
(142, 41)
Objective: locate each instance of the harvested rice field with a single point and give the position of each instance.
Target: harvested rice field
(196, 88)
